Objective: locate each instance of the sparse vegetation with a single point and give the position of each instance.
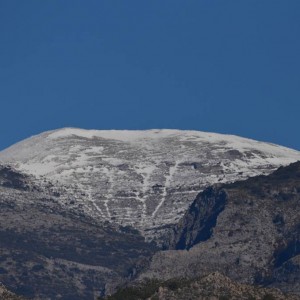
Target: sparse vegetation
(213, 286)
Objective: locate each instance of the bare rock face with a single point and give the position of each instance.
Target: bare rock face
(145, 179)
(249, 230)
(199, 221)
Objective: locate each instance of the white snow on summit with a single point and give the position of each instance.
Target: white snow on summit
(148, 178)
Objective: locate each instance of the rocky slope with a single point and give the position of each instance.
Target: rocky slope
(214, 286)
(49, 250)
(146, 179)
(248, 230)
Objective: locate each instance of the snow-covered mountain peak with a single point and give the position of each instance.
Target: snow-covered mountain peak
(142, 178)
(153, 135)
(137, 136)
(120, 135)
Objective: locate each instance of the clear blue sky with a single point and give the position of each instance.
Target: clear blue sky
(224, 66)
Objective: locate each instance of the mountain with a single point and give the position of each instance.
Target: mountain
(80, 211)
(248, 230)
(145, 179)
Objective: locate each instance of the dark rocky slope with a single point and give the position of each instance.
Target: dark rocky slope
(249, 230)
(50, 251)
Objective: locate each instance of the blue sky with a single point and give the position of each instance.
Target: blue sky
(223, 66)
